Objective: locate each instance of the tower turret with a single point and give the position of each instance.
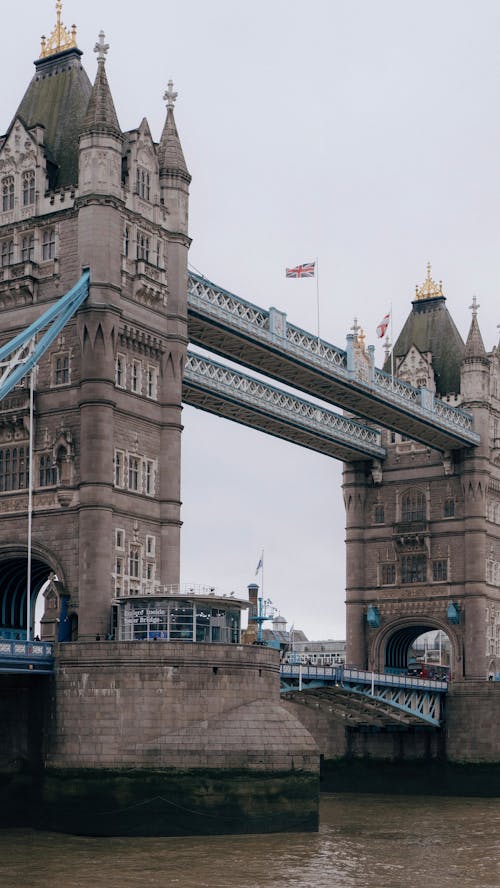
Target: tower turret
(174, 176)
(475, 370)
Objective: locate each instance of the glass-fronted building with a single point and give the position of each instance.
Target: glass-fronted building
(178, 613)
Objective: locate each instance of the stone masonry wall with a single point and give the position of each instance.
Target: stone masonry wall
(156, 704)
(473, 722)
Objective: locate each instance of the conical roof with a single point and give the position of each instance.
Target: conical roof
(170, 153)
(101, 115)
(57, 98)
(430, 328)
(474, 347)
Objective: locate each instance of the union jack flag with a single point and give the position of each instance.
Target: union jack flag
(301, 271)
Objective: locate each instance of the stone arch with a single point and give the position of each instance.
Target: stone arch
(13, 581)
(390, 647)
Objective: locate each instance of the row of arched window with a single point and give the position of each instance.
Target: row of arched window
(27, 190)
(413, 508)
(14, 469)
(23, 249)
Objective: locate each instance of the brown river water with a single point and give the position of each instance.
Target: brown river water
(365, 841)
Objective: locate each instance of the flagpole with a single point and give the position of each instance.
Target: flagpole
(317, 291)
(392, 351)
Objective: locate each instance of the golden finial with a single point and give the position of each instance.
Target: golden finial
(429, 289)
(60, 39)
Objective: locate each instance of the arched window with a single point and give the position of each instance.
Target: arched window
(48, 472)
(28, 248)
(28, 188)
(412, 506)
(7, 193)
(48, 244)
(7, 252)
(13, 468)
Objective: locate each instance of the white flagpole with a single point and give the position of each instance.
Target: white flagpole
(30, 512)
(392, 351)
(317, 290)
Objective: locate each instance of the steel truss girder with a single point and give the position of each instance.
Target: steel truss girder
(264, 341)
(22, 353)
(226, 392)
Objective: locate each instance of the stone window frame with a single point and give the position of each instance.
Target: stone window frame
(8, 192)
(135, 561)
(28, 181)
(14, 467)
(143, 182)
(379, 513)
(61, 369)
(120, 539)
(49, 243)
(119, 469)
(152, 382)
(126, 241)
(47, 471)
(150, 545)
(28, 247)
(413, 568)
(143, 245)
(440, 570)
(121, 371)
(387, 573)
(7, 252)
(136, 377)
(413, 505)
(449, 507)
(150, 470)
(134, 473)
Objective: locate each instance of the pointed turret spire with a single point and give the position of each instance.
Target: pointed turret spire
(101, 115)
(474, 347)
(170, 154)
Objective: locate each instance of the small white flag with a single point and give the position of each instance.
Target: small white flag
(382, 327)
(260, 564)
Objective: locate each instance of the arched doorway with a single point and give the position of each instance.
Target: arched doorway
(420, 647)
(13, 591)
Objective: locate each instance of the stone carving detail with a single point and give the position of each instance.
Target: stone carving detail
(416, 369)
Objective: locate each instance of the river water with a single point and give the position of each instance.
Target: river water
(365, 841)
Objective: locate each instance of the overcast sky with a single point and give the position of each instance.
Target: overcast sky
(363, 133)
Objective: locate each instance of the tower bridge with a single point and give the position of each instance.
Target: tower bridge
(90, 480)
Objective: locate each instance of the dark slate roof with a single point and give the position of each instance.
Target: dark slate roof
(101, 114)
(57, 98)
(431, 328)
(170, 154)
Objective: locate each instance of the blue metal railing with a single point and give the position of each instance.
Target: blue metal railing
(26, 656)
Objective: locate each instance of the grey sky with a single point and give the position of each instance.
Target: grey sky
(364, 133)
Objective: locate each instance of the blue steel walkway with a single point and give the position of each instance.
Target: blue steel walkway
(33, 657)
(361, 697)
(266, 342)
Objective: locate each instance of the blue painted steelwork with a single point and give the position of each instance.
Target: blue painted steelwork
(264, 340)
(417, 697)
(20, 355)
(34, 657)
(223, 391)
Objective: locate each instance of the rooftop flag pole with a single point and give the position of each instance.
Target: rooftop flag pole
(317, 291)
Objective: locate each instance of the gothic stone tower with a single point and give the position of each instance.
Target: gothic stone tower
(76, 192)
(423, 535)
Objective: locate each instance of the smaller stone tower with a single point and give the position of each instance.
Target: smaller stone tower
(423, 534)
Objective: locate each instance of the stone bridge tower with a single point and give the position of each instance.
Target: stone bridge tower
(423, 534)
(76, 191)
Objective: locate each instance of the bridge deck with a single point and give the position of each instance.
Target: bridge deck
(225, 392)
(264, 341)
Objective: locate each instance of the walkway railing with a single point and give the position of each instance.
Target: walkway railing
(230, 385)
(26, 656)
(272, 330)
